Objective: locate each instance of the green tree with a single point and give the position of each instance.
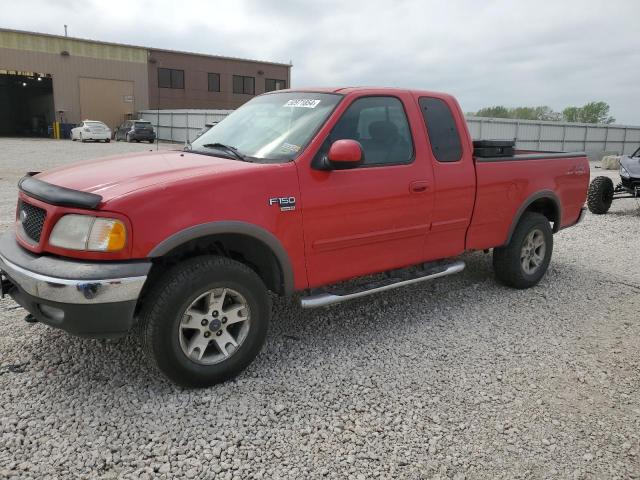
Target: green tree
(592, 112)
(523, 113)
(571, 114)
(494, 112)
(596, 112)
(520, 113)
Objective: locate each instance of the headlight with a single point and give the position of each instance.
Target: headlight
(624, 173)
(84, 232)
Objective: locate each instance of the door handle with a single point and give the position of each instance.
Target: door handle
(419, 186)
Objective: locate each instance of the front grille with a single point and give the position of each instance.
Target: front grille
(32, 220)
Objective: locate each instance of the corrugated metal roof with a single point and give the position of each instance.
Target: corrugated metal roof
(78, 48)
(121, 45)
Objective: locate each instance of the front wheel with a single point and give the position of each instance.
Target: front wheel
(524, 260)
(205, 320)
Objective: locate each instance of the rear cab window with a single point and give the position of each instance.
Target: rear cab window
(442, 129)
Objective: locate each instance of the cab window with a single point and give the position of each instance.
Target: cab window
(380, 125)
(442, 129)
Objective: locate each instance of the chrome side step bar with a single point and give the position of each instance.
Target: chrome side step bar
(429, 272)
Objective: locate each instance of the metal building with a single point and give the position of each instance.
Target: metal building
(46, 78)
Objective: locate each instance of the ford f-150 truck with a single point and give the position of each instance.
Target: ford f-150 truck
(294, 192)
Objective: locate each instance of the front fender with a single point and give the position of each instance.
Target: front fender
(231, 227)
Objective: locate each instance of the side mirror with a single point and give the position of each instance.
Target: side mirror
(343, 154)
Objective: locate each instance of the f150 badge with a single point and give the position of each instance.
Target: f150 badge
(286, 203)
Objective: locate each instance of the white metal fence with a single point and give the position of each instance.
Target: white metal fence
(180, 125)
(557, 136)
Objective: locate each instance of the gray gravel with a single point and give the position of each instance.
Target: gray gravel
(459, 378)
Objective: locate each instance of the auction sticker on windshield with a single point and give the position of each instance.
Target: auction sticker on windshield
(302, 103)
(289, 148)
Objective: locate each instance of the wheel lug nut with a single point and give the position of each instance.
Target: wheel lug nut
(215, 313)
(219, 332)
(204, 322)
(206, 334)
(224, 319)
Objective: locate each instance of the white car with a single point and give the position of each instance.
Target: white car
(91, 130)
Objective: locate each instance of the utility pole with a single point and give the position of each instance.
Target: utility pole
(65, 31)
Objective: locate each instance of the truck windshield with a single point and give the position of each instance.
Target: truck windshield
(274, 127)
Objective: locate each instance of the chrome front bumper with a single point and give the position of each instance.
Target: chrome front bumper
(95, 299)
(69, 290)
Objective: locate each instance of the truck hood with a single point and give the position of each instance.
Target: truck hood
(113, 177)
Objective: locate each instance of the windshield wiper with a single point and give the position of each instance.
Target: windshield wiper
(228, 148)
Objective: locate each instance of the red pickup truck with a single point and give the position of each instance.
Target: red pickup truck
(296, 191)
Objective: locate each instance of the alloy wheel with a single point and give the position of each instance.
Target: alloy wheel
(533, 251)
(214, 326)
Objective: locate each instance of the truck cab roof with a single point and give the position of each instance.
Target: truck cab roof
(365, 89)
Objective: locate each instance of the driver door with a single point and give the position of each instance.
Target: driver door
(374, 217)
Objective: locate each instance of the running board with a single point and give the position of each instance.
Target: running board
(427, 272)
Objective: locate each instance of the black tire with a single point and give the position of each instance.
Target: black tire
(108, 140)
(174, 292)
(600, 195)
(508, 261)
(151, 141)
(137, 141)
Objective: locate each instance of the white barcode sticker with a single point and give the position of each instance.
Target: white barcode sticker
(302, 103)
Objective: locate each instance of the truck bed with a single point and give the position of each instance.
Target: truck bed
(507, 185)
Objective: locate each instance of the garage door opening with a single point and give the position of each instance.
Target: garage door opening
(27, 103)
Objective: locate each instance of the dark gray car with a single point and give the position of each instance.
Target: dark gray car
(135, 131)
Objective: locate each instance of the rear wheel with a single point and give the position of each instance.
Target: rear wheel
(205, 320)
(600, 195)
(524, 260)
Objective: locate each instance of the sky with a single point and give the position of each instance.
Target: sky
(512, 52)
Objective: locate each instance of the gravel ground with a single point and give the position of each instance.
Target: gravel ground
(458, 378)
